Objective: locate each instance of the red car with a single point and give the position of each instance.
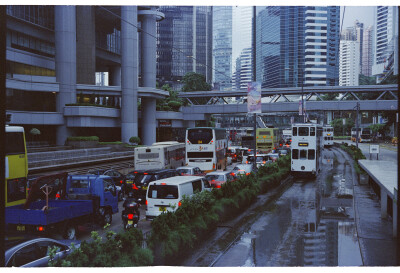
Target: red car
(216, 179)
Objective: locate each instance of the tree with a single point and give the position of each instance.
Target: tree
(170, 103)
(195, 82)
(378, 128)
(337, 125)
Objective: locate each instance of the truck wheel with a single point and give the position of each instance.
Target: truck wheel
(69, 232)
(107, 218)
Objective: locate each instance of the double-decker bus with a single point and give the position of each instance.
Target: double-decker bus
(16, 166)
(327, 134)
(364, 134)
(267, 139)
(206, 148)
(306, 147)
(160, 155)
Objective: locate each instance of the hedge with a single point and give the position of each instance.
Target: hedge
(83, 138)
(174, 233)
(356, 154)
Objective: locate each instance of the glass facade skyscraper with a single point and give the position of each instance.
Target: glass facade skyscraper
(222, 47)
(297, 45)
(183, 44)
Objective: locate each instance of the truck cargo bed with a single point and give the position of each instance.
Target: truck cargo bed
(59, 210)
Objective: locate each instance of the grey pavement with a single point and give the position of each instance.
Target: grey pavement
(375, 234)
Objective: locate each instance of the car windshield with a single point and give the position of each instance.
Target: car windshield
(215, 177)
(184, 171)
(130, 176)
(246, 168)
(259, 159)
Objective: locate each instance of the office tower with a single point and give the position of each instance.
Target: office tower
(184, 44)
(385, 61)
(367, 49)
(222, 47)
(349, 60)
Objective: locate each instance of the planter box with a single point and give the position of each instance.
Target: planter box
(82, 144)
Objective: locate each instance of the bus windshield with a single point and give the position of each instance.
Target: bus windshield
(200, 136)
(15, 143)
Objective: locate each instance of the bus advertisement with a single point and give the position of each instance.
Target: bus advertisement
(16, 166)
(206, 148)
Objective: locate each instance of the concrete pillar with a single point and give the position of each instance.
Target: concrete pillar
(86, 45)
(115, 76)
(149, 122)
(129, 73)
(65, 43)
(383, 204)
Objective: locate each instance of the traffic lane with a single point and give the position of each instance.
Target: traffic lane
(386, 151)
(297, 229)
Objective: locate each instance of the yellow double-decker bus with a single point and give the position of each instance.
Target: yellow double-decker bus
(16, 166)
(267, 139)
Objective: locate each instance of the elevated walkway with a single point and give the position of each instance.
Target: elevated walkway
(383, 177)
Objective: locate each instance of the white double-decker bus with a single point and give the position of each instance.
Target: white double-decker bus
(160, 155)
(206, 148)
(327, 134)
(306, 147)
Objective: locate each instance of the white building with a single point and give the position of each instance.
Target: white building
(367, 50)
(386, 43)
(349, 63)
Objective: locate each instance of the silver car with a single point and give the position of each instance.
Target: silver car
(35, 253)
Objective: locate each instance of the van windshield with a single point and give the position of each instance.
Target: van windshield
(163, 192)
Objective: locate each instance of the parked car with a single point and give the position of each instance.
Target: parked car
(35, 253)
(189, 170)
(243, 169)
(117, 177)
(143, 178)
(217, 178)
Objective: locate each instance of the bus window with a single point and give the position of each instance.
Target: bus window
(15, 143)
(312, 131)
(303, 154)
(311, 154)
(294, 131)
(295, 154)
(303, 131)
(200, 136)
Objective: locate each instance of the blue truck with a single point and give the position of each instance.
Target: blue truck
(74, 200)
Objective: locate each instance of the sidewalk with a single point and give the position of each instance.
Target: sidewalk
(375, 234)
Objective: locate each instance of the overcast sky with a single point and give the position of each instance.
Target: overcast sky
(363, 14)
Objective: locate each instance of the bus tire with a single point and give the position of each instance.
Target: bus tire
(69, 231)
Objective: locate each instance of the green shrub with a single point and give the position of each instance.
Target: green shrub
(83, 138)
(134, 139)
(111, 253)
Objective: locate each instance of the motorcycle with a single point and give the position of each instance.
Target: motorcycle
(130, 213)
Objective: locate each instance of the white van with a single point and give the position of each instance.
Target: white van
(166, 194)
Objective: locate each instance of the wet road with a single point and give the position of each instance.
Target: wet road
(311, 224)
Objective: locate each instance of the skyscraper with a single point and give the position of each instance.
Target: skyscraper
(303, 39)
(222, 47)
(366, 57)
(386, 43)
(184, 44)
(242, 46)
(349, 68)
